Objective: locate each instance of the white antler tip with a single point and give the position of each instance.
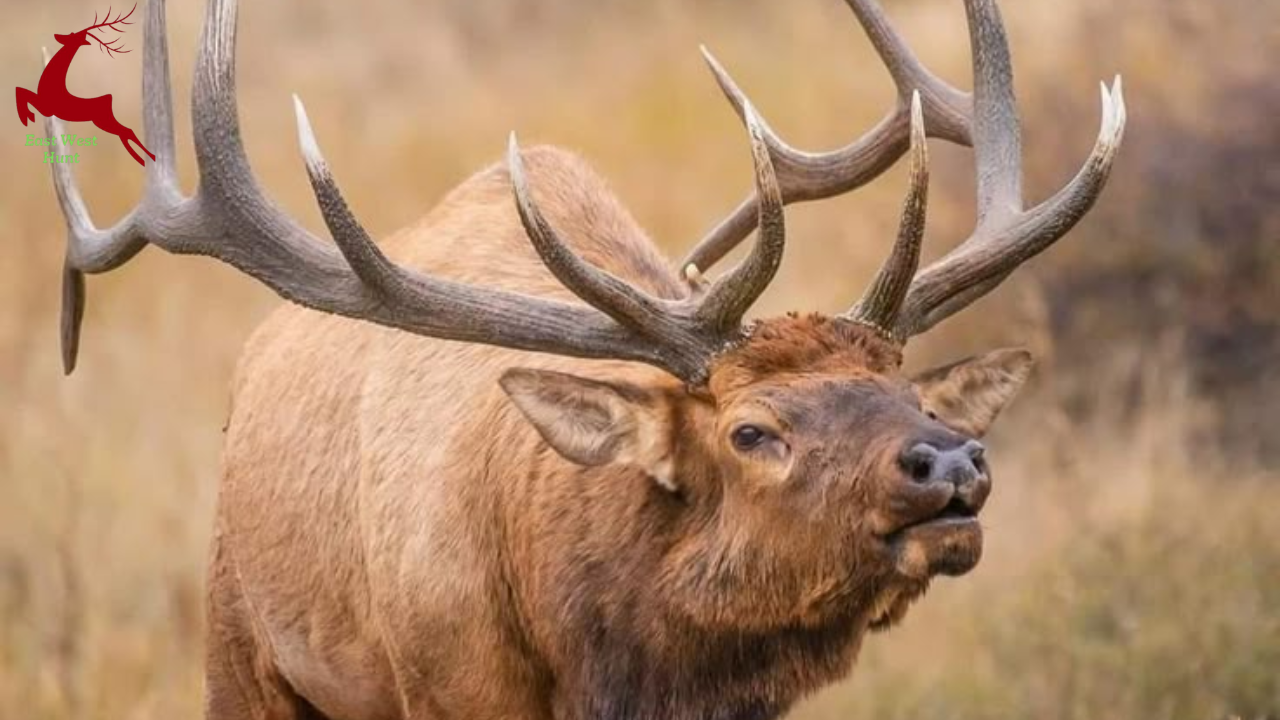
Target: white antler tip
(751, 119)
(710, 59)
(727, 85)
(917, 114)
(919, 140)
(306, 138)
(515, 167)
(1113, 120)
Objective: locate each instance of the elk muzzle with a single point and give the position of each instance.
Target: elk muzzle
(936, 505)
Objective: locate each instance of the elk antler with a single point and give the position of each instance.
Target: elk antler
(814, 176)
(231, 219)
(883, 300)
(1006, 235)
(111, 47)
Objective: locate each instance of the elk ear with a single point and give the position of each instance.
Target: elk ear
(592, 422)
(967, 396)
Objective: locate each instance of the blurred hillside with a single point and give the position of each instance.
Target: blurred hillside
(1134, 563)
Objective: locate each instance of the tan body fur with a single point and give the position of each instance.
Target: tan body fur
(378, 485)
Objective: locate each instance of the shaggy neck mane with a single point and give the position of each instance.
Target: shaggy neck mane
(709, 675)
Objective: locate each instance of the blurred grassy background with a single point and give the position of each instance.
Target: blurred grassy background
(1133, 564)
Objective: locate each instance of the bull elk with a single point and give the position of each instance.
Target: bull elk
(511, 464)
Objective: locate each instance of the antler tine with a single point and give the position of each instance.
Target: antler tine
(807, 176)
(88, 248)
(157, 106)
(882, 301)
(1006, 235)
(729, 298)
(997, 141)
(92, 250)
(625, 303)
(362, 254)
(711, 317)
(947, 110)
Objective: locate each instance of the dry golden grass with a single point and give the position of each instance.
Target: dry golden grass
(1133, 565)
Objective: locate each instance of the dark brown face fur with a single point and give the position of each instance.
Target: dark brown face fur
(789, 511)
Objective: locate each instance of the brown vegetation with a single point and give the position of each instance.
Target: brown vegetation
(1132, 554)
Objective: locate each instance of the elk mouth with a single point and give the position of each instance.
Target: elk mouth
(955, 512)
(948, 542)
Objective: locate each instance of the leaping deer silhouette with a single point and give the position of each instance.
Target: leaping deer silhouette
(53, 99)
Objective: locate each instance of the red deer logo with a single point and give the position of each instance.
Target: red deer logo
(53, 99)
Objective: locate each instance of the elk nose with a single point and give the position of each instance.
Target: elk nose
(959, 466)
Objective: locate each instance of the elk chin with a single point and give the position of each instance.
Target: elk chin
(944, 546)
(892, 604)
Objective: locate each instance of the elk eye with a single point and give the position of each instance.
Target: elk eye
(746, 437)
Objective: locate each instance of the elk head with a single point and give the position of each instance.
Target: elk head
(825, 481)
(828, 481)
(823, 478)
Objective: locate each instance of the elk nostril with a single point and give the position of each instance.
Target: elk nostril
(919, 461)
(976, 451)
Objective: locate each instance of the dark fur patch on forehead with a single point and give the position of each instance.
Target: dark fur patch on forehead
(803, 344)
